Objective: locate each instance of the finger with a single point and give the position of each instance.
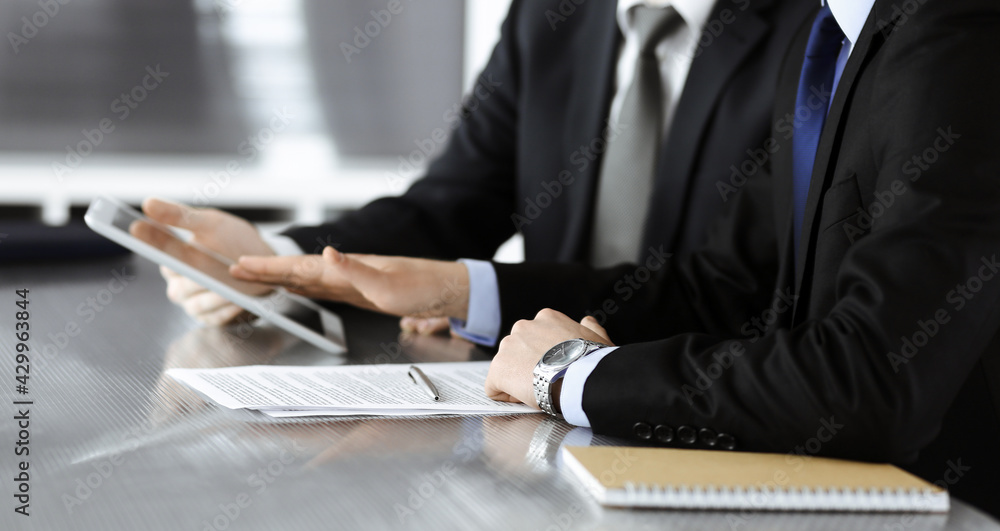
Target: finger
(169, 273)
(221, 316)
(204, 303)
(434, 325)
(363, 276)
(151, 234)
(592, 324)
(426, 326)
(181, 288)
(332, 255)
(550, 315)
(492, 389)
(178, 215)
(500, 396)
(290, 271)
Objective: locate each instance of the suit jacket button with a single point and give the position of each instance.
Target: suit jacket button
(664, 433)
(642, 430)
(726, 441)
(686, 434)
(707, 437)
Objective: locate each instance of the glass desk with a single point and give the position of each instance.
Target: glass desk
(114, 444)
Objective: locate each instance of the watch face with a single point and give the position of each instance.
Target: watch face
(564, 353)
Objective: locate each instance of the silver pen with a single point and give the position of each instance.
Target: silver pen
(422, 380)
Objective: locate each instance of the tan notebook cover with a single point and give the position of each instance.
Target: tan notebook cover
(666, 477)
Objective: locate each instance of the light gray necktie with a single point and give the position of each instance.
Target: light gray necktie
(626, 177)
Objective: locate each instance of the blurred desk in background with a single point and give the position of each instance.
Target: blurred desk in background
(114, 444)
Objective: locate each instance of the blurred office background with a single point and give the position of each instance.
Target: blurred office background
(283, 112)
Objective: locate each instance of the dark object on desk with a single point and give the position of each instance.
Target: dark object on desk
(33, 240)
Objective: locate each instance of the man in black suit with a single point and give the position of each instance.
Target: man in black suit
(891, 347)
(527, 152)
(873, 335)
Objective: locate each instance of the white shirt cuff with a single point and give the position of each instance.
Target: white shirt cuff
(281, 245)
(571, 395)
(482, 324)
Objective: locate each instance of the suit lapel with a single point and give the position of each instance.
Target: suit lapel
(596, 43)
(710, 71)
(825, 153)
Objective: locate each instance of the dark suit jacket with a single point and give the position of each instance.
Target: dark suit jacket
(548, 89)
(886, 348)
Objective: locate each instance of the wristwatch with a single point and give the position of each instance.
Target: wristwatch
(553, 366)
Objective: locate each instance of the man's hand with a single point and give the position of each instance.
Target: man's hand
(389, 284)
(511, 372)
(225, 234)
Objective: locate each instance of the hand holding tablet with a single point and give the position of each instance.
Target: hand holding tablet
(206, 267)
(220, 231)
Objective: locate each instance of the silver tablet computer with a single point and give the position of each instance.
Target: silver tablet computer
(298, 315)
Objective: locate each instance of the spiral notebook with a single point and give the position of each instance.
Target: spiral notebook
(705, 479)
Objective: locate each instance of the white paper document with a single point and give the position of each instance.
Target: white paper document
(346, 390)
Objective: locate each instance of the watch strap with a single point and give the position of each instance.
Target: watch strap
(542, 382)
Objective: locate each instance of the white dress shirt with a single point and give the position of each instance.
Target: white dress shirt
(851, 16)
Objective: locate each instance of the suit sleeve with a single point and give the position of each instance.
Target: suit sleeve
(462, 206)
(915, 303)
(660, 296)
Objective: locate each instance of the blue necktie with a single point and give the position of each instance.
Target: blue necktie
(816, 79)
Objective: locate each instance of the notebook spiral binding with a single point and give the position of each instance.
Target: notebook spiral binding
(819, 499)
